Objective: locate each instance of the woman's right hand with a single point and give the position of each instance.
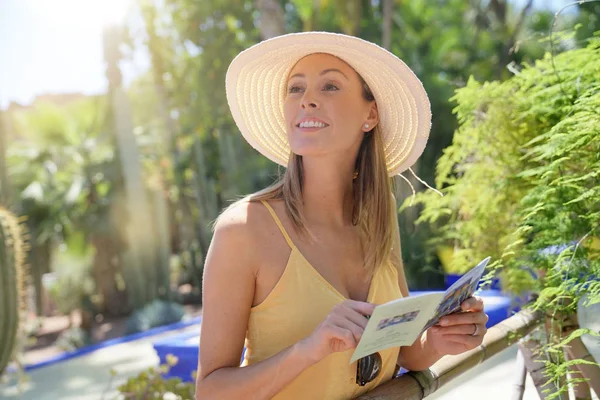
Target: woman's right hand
(341, 330)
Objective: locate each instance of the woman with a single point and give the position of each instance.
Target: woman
(294, 271)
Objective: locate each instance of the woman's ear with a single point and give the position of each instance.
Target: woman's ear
(373, 117)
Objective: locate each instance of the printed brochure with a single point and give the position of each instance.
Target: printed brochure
(399, 322)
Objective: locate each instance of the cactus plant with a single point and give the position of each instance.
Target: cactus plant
(12, 284)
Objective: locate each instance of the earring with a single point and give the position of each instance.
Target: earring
(355, 175)
(366, 126)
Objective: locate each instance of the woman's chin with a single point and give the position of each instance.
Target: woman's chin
(307, 151)
(306, 147)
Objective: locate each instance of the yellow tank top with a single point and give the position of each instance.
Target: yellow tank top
(299, 302)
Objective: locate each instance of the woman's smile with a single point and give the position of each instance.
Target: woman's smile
(311, 129)
(311, 125)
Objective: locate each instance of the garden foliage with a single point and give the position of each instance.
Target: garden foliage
(522, 181)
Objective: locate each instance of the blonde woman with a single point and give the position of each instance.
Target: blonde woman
(294, 271)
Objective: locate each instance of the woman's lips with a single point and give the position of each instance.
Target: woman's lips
(311, 129)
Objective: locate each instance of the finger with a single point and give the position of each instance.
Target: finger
(466, 340)
(360, 306)
(345, 323)
(357, 318)
(348, 310)
(464, 318)
(473, 303)
(458, 329)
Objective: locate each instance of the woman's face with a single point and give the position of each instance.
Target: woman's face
(325, 111)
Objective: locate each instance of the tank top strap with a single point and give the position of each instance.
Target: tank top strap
(279, 224)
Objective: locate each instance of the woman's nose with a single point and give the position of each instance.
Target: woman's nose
(308, 101)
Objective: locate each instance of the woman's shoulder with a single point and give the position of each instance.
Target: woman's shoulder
(242, 220)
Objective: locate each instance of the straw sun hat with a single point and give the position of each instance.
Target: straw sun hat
(256, 88)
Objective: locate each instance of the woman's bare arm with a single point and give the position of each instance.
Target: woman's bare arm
(228, 292)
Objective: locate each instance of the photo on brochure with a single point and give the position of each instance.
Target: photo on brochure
(398, 319)
(461, 290)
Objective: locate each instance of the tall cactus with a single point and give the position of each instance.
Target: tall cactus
(5, 195)
(12, 284)
(139, 258)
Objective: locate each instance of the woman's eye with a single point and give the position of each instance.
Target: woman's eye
(297, 89)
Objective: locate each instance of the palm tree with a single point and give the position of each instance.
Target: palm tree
(64, 170)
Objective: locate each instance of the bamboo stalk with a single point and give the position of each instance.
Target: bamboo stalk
(416, 385)
(581, 390)
(521, 371)
(536, 366)
(576, 350)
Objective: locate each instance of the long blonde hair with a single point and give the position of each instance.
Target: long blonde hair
(373, 203)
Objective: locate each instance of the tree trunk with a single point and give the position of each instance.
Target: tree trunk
(507, 35)
(189, 231)
(41, 259)
(509, 43)
(161, 227)
(272, 19)
(139, 267)
(139, 257)
(388, 10)
(350, 14)
(206, 198)
(105, 268)
(229, 165)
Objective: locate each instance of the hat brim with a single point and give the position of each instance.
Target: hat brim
(256, 90)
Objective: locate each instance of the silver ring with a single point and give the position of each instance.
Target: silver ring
(476, 330)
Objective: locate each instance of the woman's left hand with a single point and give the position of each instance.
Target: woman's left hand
(461, 331)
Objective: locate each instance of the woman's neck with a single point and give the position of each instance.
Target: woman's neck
(327, 195)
